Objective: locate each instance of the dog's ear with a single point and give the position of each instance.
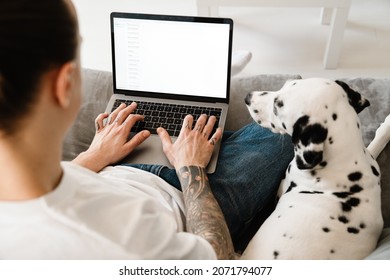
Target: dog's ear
(357, 101)
(309, 142)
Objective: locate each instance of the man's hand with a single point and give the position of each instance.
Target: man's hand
(193, 146)
(190, 155)
(111, 143)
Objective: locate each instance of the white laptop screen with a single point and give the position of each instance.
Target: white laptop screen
(171, 56)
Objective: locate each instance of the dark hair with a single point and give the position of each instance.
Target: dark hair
(35, 36)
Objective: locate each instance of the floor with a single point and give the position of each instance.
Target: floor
(282, 40)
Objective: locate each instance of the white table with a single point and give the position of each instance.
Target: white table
(334, 12)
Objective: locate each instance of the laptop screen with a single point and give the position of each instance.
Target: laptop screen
(175, 55)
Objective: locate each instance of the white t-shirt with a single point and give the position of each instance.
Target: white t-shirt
(120, 213)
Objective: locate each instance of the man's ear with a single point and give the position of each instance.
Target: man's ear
(64, 83)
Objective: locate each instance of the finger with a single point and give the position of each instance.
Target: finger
(165, 138)
(137, 140)
(132, 106)
(125, 113)
(114, 114)
(131, 120)
(216, 137)
(99, 121)
(187, 124)
(200, 123)
(209, 127)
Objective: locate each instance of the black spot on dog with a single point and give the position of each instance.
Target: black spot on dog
(330, 140)
(343, 219)
(334, 117)
(279, 216)
(312, 157)
(289, 168)
(300, 163)
(332, 251)
(276, 254)
(273, 126)
(308, 134)
(355, 176)
(279, 103)
(292, 185)
(311, 192)
(299, 126)
(326, 107)
(342, 194)
(291, 206)
(353, 201)
(345, 207)
(374, 171)
(353, 230)
(264, 93)
(323, 164)
(362, 225)
(248, 99)
(284, 126)
(318, 179)
(356, 162)
(294, 83)
(325, 229)
(313, 173)
(256, 111)
(358, 125)
(259, 121)
(355, 189)
(331, 217)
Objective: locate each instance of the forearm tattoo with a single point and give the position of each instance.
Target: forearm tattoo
(204, 216)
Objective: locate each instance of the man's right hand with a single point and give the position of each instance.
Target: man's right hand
(193, 145)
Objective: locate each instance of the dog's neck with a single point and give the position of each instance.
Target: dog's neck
(344, 141)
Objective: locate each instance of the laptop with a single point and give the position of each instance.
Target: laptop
(171, 66)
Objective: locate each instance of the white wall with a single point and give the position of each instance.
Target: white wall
(281, 40)
(94, 20)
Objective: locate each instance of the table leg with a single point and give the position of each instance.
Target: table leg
(334, 43)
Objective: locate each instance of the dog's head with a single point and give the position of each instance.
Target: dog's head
(305, 109)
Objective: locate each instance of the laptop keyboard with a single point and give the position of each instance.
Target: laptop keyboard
(168, 116)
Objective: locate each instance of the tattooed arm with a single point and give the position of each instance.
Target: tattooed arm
(204, 216)
(190, 154)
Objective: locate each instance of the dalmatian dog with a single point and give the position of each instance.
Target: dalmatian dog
(329, 203)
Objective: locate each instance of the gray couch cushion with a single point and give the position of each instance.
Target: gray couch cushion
(382, 252)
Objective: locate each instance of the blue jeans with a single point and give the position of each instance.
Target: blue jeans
(251, 164)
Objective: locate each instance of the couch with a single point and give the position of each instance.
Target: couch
(97, 89)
